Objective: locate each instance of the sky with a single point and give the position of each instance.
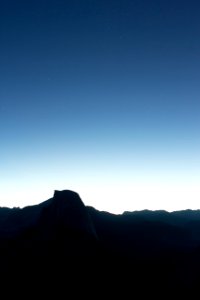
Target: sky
(100, 97)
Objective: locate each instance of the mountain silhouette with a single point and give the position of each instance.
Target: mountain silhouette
(63, 243)
(67, 210)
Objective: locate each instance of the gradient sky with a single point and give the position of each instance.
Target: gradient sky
(101, 97)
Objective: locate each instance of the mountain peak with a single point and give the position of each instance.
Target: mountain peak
(68, 208)
(68, 197)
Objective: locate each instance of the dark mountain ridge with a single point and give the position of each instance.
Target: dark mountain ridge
(63, 241)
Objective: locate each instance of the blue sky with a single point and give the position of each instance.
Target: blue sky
(101, 97)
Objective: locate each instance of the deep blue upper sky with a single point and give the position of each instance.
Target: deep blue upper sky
(102, 97)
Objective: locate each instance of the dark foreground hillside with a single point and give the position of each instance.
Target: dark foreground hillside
(64, 249)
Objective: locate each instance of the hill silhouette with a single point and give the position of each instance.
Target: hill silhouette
(64, 245)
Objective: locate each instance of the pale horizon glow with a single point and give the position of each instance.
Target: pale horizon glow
(115, 197)
(115, 182)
